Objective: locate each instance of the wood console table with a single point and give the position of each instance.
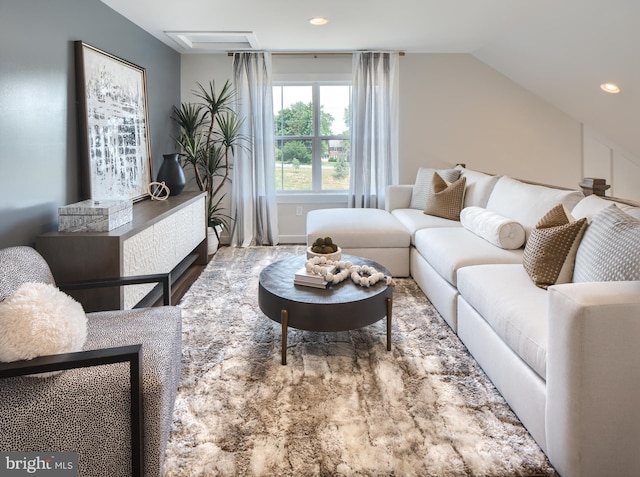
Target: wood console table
(164, 236)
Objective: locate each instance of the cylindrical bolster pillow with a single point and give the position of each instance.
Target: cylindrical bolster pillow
(501, 231)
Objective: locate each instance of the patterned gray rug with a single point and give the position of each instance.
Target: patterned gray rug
(343, 405)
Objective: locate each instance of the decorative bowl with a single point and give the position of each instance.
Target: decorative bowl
(334, 257)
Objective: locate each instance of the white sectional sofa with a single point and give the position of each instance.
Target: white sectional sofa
(565, 358)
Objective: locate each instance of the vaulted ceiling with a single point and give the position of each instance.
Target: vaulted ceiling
(561, 50)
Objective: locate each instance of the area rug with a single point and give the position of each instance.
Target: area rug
(343, 405)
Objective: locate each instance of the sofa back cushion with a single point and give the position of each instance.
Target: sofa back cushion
(479, 187)
(20, 265)
(592, 204)
(610, 248)
(528, 203)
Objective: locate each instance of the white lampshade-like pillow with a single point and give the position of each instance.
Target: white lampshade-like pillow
(496, 229)
(38, 320)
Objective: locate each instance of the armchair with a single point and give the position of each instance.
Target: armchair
(114, 401)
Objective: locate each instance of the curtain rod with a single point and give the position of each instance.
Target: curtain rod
(310, 53)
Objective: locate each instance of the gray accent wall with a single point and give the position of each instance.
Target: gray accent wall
(39, 159)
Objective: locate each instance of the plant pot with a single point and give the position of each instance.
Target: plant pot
(171, 174)
(334, 257)
(213, 242)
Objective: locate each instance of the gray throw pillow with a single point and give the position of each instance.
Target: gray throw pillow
(423, 184)
(610, 248)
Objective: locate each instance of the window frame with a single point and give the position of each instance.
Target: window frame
(315, 139)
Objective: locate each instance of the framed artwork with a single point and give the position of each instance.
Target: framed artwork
(114, 125)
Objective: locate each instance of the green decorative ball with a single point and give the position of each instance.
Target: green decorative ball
(324, 245)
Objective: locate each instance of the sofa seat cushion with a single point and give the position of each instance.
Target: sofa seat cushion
(357, 228)
(414, 220)
(513, 306)
(449, 249)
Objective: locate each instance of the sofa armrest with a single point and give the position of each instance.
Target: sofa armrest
(593, 378)
(398, 197)
(162, 278)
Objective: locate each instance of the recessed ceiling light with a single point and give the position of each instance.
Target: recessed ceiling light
(610, 87)
(318, 21)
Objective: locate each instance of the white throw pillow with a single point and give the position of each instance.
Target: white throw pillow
(38, 320)
(497, 229)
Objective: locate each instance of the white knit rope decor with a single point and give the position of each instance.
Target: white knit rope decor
(362, 275)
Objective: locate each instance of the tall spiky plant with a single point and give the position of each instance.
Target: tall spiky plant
(209, 135)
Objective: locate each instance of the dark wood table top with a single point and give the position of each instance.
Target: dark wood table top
(340, 307)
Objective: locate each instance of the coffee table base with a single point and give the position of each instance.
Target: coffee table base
(284, 320)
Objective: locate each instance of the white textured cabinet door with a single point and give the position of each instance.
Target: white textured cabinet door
(162, 246)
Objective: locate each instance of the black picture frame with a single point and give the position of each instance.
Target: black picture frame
(113, 119)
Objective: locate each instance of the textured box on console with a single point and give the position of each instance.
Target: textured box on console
(94, 215)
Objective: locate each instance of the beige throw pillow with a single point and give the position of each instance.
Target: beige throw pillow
(424, 177)
(445, 199)
(549, 255)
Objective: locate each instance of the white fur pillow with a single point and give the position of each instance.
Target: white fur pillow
(494, 228)
(37, 320)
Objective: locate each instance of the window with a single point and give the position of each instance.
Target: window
(312, 136)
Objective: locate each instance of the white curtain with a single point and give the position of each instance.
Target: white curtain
(253, 198)
(374, 128)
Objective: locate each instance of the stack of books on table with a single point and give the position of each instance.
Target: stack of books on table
(307, 279)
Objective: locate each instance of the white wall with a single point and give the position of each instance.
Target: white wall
(606, 160)
(453, 108)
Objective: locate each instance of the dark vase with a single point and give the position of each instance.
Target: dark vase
(171, 173)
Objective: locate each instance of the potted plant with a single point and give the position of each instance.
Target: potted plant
(209, 132)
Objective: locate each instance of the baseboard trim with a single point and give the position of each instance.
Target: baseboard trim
(292, 239)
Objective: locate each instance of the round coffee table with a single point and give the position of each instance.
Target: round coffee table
(342, 307)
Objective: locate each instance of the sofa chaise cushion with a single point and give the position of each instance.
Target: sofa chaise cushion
(357, 228)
